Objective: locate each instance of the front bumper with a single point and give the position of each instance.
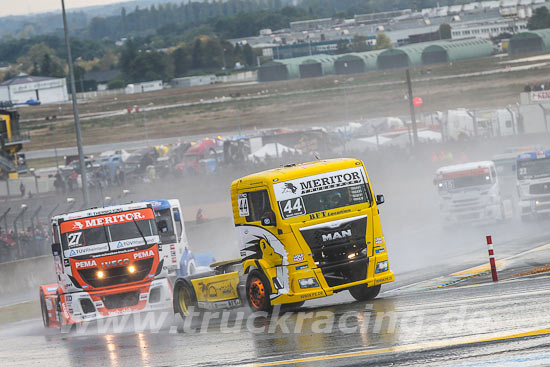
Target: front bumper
(88, 306)
(534, 207)
(298, 294)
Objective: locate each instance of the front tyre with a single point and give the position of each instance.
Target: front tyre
(363, 293)
(258, 291)
(184, 299)
(44, 309)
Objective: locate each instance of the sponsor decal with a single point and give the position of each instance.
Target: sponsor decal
(115, 263)
(66, 262)
(143, 254)
(380, 250)
(69, 298)
(298, 257)
(172, 247)
(336, 235)
(313, 294)
(243, 205)
(89, 316)
(51, 289)
(85, 287)
(305, 266)
(133, 242)
(378, 240)
(85, 250)
(103, 220)
(172, 253)
(174, 259)
(321, 182)
(85, 264)
(143, 296)
(98, 304)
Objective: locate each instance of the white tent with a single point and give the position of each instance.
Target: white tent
(273, 150)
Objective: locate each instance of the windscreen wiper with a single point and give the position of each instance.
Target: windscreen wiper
(139, 230)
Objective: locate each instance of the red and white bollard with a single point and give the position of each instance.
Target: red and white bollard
(492, 258)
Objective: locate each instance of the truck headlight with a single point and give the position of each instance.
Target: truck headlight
(100, 274)
(382, 266)
(308, 283)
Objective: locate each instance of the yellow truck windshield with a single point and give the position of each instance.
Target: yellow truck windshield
(326, 191)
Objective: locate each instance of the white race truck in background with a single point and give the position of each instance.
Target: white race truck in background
(533, 183)
(471, 192)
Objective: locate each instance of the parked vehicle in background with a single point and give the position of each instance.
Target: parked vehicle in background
(533, 183)
(471, 192)
(138, 161)
(204, 157)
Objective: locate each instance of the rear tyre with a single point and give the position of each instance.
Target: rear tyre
(258, 291)
(44, 309)
(364, 293)
(184, 299)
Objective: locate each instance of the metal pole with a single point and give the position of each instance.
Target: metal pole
(411, 106)
(75, 108)
(36, 186)
(8, 189)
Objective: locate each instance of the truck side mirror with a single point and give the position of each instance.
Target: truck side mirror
(380, 199)
(268, 219)
(56, 249)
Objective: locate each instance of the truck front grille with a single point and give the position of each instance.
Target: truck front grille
(540, 189)
(121, 300)
(331, 249)
(117, 276)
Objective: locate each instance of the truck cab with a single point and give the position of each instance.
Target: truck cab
(174, 248)
(305, 231)
(533, 183)
(471, 192)
(108, 262)
(308, 231)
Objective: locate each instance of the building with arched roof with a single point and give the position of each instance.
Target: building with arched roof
(532, 41)
(428, 53)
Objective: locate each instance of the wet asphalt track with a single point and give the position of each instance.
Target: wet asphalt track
(406, 325)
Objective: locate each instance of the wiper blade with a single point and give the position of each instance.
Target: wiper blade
(139, 230)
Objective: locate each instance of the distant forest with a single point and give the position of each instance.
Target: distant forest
(172, 39)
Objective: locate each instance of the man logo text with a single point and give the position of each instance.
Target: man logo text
(337, 235)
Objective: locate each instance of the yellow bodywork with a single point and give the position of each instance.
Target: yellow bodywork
(221, 287)
(294, 260)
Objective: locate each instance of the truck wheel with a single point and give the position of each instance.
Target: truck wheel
(184, 298)
(44, 309)
(364, 293)
(258, 291)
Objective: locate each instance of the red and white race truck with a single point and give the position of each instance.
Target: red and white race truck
(108, 262)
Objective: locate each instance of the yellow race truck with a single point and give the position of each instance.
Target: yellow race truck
(306, 231)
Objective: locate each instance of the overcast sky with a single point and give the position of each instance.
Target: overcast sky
(23, 7)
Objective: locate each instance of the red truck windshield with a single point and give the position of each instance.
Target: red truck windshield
(109, 232)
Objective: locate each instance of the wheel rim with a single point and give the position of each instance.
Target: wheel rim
(257, 293)
(183, 300)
